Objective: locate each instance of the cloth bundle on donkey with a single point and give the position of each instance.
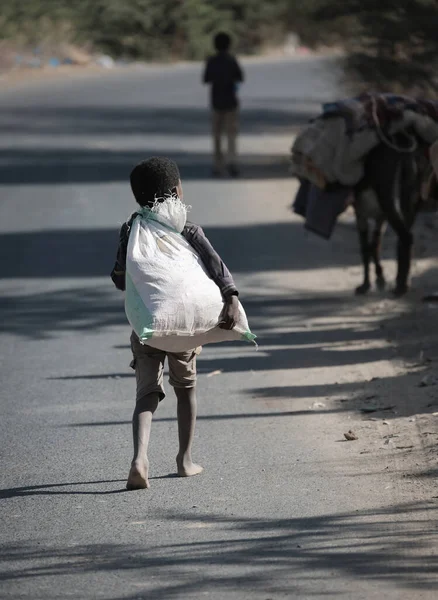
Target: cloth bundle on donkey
(330, 152)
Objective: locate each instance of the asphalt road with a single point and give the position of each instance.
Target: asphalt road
(283, 509)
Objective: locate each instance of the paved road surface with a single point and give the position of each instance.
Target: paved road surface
(283, 509)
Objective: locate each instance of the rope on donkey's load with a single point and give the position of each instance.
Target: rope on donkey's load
(414, 144)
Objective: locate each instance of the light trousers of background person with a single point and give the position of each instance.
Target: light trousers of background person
(225, 121)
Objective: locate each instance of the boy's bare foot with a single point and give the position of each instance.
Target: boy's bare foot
(187, 468)
(138, 477)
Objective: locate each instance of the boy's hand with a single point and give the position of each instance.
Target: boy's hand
(230, 312)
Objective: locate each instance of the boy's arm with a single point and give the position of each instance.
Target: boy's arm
(239, 73)
(119, 270)
(218, 271)
(215, 266)
(207, 77)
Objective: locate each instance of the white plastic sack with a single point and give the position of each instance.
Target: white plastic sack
(171, 302)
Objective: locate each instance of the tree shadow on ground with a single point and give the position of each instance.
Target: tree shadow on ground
(85, 165)
(48, 314)
(128, 120)
(103, 160)
(87, 253)
(301, 556)
(58, 256)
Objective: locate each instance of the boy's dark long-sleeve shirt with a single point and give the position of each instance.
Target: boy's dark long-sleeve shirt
(197, 239)
(223, 72)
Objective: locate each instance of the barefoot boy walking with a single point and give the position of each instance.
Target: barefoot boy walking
(152, 180)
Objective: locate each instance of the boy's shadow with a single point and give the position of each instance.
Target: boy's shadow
(47, 490)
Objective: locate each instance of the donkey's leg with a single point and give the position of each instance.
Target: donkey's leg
(404, 251)
(376, 246)
(362, 229)
(403, 219)
(404, 257)
(385, 175)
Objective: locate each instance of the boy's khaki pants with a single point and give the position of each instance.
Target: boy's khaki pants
(225, 121)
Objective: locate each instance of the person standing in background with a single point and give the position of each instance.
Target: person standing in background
(224, 74)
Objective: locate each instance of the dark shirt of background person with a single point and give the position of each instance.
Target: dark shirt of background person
(223, 72)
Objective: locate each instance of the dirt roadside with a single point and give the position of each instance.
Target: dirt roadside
(15, 78)
(395, 413)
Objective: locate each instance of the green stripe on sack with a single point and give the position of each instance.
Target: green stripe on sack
(248, 336)
(138, 314)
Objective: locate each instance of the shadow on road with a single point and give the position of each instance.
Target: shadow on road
(148, 120)
(87, 253)
(52, 489)
(49, 314)
(259, 248)
(298, 556)
(103, 160)
(61, 166)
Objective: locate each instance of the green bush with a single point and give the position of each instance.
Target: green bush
(144, 29)
(390, 44)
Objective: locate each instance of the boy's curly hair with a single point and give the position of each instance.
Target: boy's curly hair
(154, 178)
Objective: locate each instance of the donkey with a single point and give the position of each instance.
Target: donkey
(390, 192)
